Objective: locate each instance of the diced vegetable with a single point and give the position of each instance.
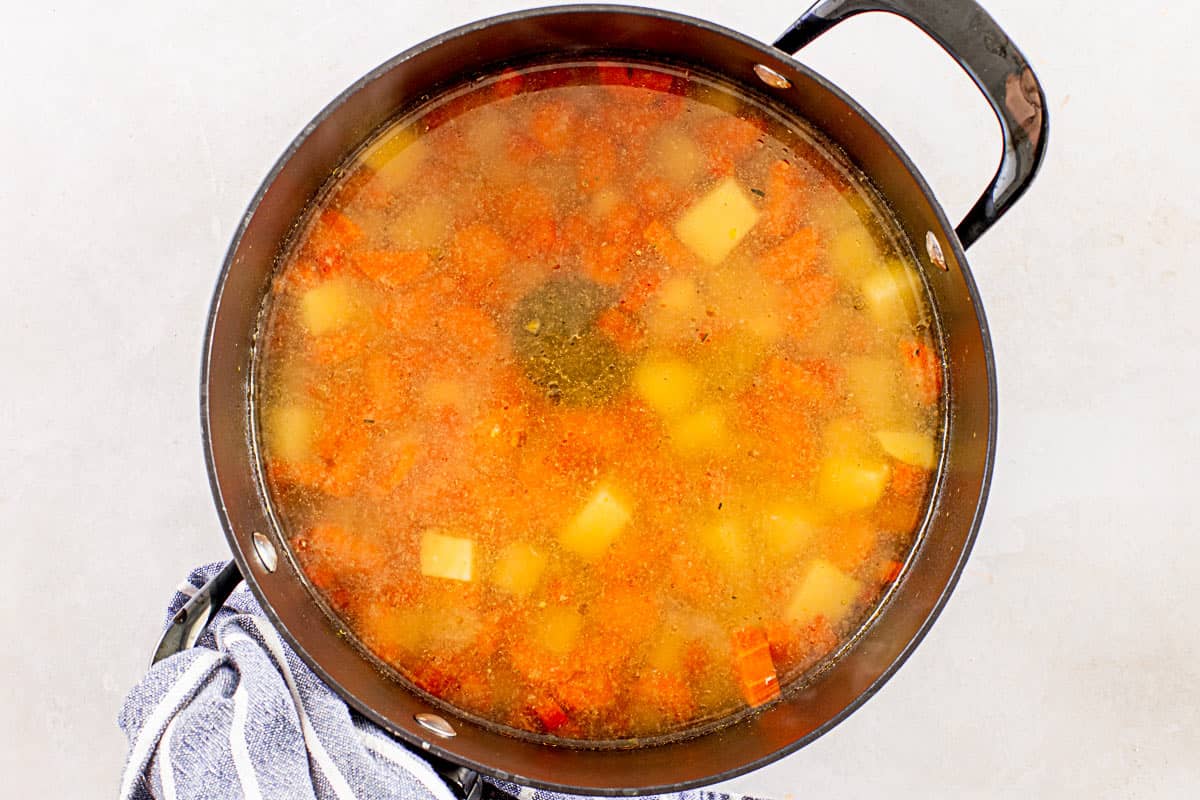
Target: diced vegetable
(788, 527)
(824, 591)
(872, 386)
(701, 432)
(558, 629)
(717, 222)
(421, 226)
(890, 294)
(725, 543)
(519, 569)
(852, 253)
(845, 436)
(290, 431)
(396, 160)
(754, 666)
(677, 157)
(549, 713)
(327, 307)
(443, 556)
(589, 534)
(668, 385)
(907, 446)
(850, 483)
(923, 369)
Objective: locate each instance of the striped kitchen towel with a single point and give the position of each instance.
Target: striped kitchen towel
(241, 716)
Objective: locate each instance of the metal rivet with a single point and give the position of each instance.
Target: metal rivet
(771, 78)
(435, 724)
(934, 248)
(265, 551)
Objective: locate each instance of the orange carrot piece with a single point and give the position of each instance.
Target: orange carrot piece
(392, 267)
(508, 84)
(625, 332)
(792, 257)
(670, 250)
(783, 207)
(480, 255)
(924, 370)
(729, 140)
(754, 667)
(553, 125)
(549, 713)
(807, 298)
(850, 544)
(908, 481)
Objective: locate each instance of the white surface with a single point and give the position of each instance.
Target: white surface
(1066, 664)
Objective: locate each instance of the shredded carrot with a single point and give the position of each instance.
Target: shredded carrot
(793, 257)
(392, 267)
(754, 666)
(924, 370)
(785, 201)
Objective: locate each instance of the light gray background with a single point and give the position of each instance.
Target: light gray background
(1066, 664)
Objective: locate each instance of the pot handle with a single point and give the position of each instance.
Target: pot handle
(191, 620)
(981, 48)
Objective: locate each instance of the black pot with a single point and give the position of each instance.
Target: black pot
(1000, 71)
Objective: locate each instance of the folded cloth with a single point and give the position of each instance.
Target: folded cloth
(241, 716)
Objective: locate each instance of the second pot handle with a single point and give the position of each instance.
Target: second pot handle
(981, 48)
(190, 621)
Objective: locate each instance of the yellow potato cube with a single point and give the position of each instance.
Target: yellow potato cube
(396, 159)
(558, 629)
(388, 629)
(443, 556)
(680, 298)
(715, 224)
(824, 591)
(845, 436)
(668, 385)
(788, 527)
(725, 543)
(289, 433)
(873, 387)
(850, 483)
(595, 527)
(519, 569)
(422, 226)
(853, 253)
(677, 157)
(701, 432)
(891, 294)
(327, 307)
(908, 446)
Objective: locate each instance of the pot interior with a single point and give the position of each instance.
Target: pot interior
(562, 34)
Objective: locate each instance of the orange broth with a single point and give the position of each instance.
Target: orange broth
(599, 401)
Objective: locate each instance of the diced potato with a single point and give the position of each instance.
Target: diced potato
(742, 295)
(443, 556)
(589, 534)
(668, 385)
(677, 157)
(715, 224)
(725, 543)
(389, 629)
(558, 629)
(908, 446)
(701, 432)
(789, 527)
(422, 226)
(824, 591)
(666, 652)
(873, 387)
(845, 436)
(327, 307)
(519, 569)
(396, 158)
(679, 297)
(890, 294)
(850, 483)
(488, 131)
(853, 253)
(603, 202)
(290, 431)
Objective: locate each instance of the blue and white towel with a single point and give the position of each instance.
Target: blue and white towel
(241, 716)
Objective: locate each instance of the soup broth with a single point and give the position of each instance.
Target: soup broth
(598, 401)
